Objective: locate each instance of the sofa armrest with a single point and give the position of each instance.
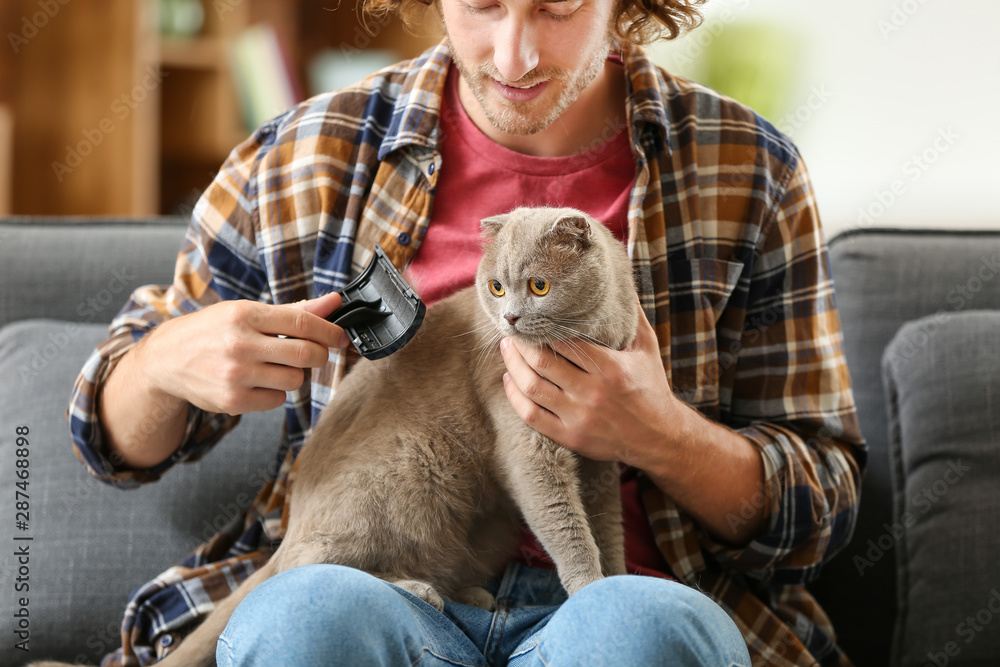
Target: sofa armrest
(91, 543)
(61, 282)
(81, 269)
(942, 378)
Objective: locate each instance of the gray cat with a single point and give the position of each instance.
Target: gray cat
(419, 471)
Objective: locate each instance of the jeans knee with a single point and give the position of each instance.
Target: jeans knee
(655, 622)
(318, 608)
(330, 590)
(650, 597)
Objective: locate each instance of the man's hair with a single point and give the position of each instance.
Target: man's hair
(637, 22)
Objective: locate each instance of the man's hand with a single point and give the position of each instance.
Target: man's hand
(235, 357)
(604, 404)
(231, 357)
(613, 405)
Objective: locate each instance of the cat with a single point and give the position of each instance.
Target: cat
(419, 471)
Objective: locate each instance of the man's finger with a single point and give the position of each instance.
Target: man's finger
(534, 415)
(294, 352)
(304, 320)
(583, 354)
(321, 306)
(536, 387)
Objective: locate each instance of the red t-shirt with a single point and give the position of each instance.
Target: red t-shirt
(480, 178)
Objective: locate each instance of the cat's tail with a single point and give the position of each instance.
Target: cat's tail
(198, 648)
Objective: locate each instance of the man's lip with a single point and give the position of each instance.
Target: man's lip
(513, 94)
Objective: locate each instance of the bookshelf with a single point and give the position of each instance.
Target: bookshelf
(6, 158)
(115, 118)
(8, 24)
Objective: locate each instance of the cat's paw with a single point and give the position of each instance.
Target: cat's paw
(476, 596)
(422, 590)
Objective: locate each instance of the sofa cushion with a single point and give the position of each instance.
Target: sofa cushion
(942, 379)
(885, 278)
(92, 543)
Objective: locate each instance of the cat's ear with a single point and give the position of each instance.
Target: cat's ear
(491, 226)
(571, 229)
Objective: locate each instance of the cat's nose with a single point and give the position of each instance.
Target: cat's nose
(512, 319)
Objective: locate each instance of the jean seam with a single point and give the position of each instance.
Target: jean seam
(538, 652)
(229, 648)
(426, 649)
(494, 643)
(527, 649)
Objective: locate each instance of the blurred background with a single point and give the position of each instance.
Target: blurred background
(128, 107)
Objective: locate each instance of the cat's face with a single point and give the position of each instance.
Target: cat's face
(556, 274)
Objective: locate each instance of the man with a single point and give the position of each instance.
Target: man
(732, 410)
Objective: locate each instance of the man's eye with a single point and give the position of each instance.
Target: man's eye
(558, 17)
(560, 10)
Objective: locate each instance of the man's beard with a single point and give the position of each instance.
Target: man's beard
(515, 117)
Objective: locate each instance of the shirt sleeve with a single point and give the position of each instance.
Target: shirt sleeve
(792, 398)
(218, 260)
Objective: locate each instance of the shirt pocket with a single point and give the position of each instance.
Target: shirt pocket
(700, 290)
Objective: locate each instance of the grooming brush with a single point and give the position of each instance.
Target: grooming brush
(380, 312)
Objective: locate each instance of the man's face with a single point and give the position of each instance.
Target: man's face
(527, 61)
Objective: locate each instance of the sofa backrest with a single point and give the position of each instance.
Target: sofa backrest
(107, 262)
(885, 278)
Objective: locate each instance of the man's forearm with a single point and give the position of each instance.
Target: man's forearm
(142, 426)
(711, 473)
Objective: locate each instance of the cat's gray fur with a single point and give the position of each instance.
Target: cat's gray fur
(419, 470)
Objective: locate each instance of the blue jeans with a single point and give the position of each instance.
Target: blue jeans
(334, 615)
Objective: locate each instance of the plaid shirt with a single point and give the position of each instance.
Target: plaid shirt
(723, 234)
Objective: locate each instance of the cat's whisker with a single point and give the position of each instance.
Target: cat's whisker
(581, 321)
(483, 357)
(573, 344)
(481, 327)
(578, 335)
(484, 347)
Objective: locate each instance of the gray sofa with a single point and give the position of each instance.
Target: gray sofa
(919, 583)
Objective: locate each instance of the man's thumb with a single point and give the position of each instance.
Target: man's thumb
(321, 305)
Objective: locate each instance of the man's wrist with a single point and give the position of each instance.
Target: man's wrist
(147, 373)
(666, 460)
(141, 423)
(708, 470)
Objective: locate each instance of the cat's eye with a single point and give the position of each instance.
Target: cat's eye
(538, 286)
(496, 288)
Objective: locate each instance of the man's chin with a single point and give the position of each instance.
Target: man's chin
(518, 127)
(516, 118)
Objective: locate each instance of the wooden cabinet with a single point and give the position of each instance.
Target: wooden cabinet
(114, 119)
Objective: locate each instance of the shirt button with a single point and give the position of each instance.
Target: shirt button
(166, 640)
(403, 238)
(430, 169)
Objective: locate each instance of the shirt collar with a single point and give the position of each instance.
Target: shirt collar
(417, 110)
(648, 90)
(415, 118)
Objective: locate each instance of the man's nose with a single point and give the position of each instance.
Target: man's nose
(516, 51)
